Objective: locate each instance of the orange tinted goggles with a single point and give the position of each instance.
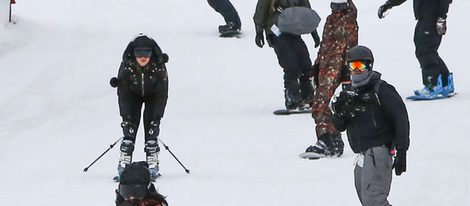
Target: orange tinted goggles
(357, 66)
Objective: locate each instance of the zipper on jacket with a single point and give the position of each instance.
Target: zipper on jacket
(143, 92)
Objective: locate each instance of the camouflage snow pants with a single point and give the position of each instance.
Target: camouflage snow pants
(329, 79)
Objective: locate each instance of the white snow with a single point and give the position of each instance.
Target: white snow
(58, 112)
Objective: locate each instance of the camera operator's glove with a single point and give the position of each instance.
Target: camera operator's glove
(114, 82)
(316, 38)
(384, 8)
(259, 39)
(400, 162)
(344, 105)
(441, 26)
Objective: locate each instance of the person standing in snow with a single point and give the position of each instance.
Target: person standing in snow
(230, 14)
(142, 79)
(431, 26)
(136, 189)
(291, 51)
(339, 35)
(376, 121)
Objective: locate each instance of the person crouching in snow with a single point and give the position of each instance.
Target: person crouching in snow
(375, 118)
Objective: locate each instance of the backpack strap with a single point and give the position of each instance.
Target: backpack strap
(377, 89)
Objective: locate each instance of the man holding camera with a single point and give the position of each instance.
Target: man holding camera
(376, 121)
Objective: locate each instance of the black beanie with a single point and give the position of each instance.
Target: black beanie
(136, 173)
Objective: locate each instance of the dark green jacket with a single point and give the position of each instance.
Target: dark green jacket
(267, 12)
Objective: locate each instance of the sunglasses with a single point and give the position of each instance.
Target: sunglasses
(359, 66)
(136, 191)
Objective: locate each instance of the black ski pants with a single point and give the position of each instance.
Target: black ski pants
(130, 105)
(427, 42)
(226, 9)
(293, 57)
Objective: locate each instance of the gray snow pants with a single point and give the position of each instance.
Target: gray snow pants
(373, 180)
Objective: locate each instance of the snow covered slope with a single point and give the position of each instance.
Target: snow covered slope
(58, 112)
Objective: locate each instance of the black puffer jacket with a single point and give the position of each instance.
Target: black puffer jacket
(150, 80)
(383, 121)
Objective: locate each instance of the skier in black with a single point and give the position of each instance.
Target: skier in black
(291, 51)
(142, 79)
(431, 26)
(376, 121)
(230, 14)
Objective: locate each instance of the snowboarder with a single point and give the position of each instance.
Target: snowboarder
(291, 51)
(431, 26)
(227, 10)
(339, 35)
(142, 79)
(376, 121)
(135, 188)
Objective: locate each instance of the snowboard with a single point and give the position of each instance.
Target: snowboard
(153, 179)
(311, 156)
(421, 98)
(230, 34)
(294, 111)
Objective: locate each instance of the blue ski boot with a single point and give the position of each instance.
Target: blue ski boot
(449, 89)
(427, 93)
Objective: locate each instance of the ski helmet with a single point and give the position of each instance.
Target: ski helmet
(360, 53)
(136, 173)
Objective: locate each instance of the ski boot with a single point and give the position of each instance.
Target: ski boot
(127, 147)
(228, 28)
(151, 150)
(326, 146)
(430, 92)
(292, 101)
(449, 89)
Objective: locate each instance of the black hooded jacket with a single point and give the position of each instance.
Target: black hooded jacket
(382, 121)
(150, 80)
(427, 8)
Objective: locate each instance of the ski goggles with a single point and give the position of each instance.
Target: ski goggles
(142, 52)
(358, 66)
(135, 191)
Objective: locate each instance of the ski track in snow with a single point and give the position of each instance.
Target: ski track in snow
(59, 112)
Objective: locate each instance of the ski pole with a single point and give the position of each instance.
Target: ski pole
(110, 147)
(168, 149)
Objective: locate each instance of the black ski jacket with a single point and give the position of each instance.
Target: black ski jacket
(383, 121)
(151, 80)
(427, 8)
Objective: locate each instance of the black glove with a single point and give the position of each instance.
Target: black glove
(441, 26)
(316, 38)
(114, 82)
(400, 162)
(259, 39)
(383, 9)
